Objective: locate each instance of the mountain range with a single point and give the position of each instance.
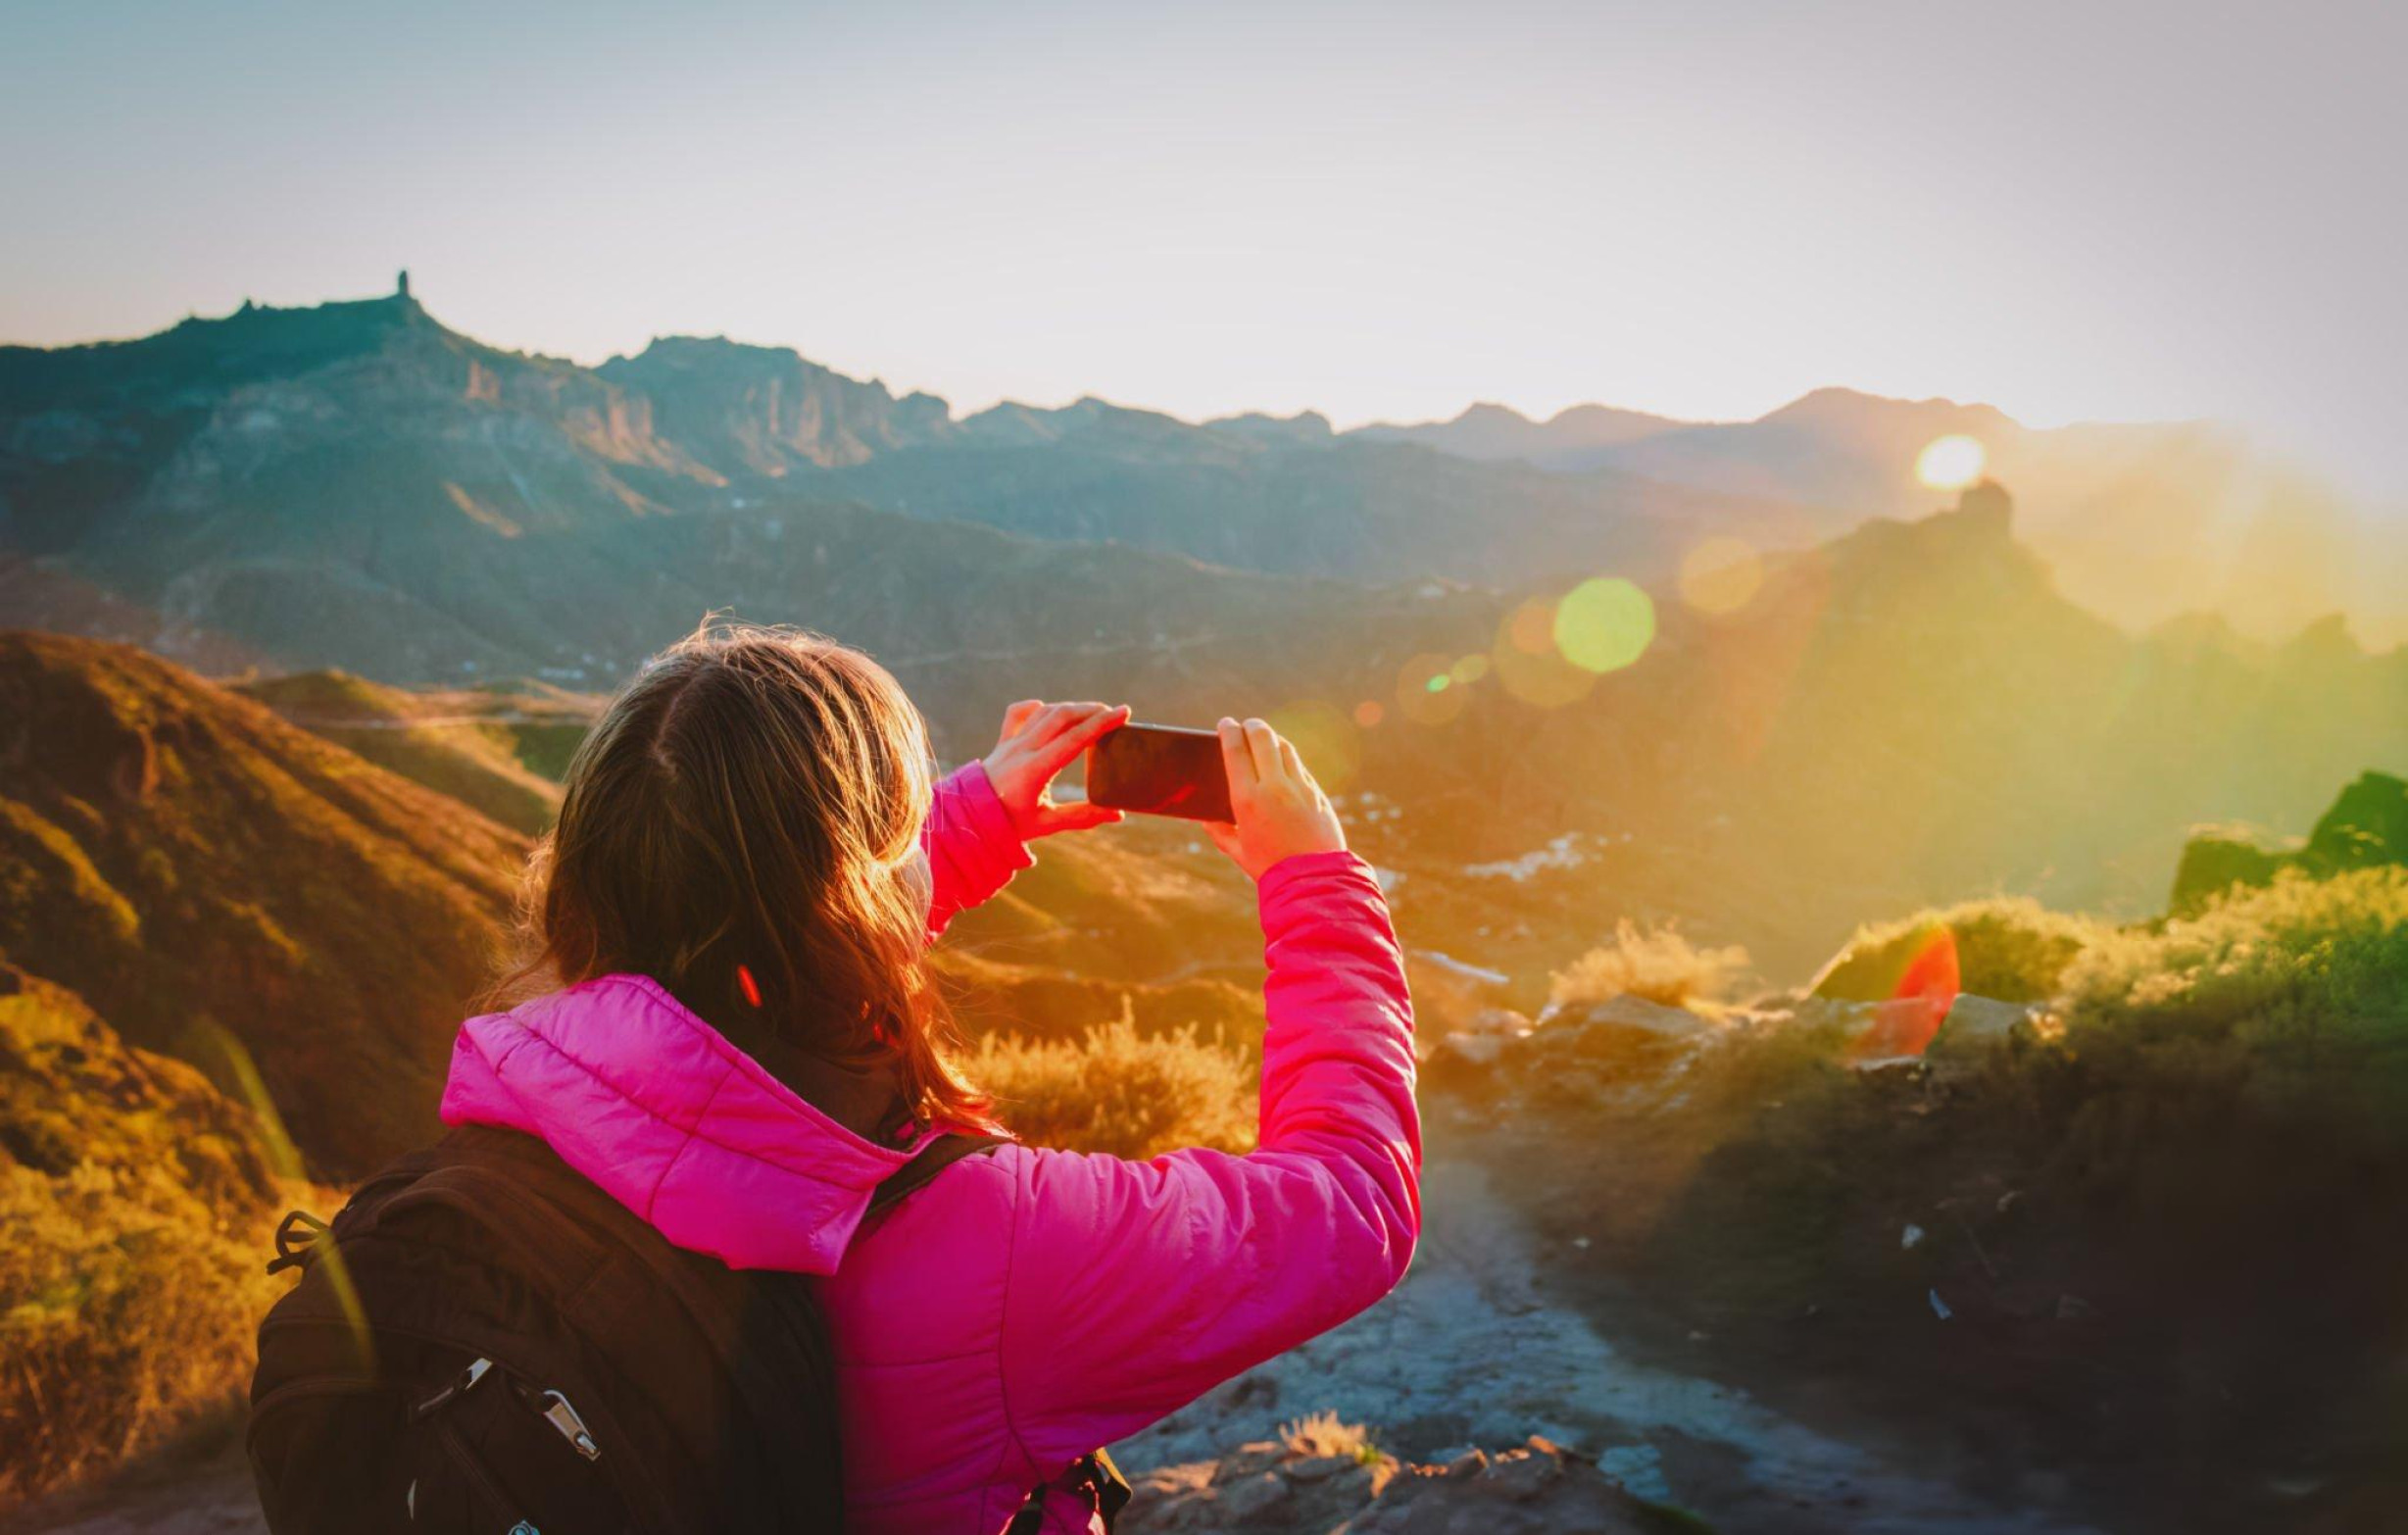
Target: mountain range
(1904, 710)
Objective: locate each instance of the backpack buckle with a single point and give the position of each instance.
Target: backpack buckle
(297, 1237)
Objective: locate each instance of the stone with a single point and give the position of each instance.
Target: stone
(1523, 1474)
(1478, 1049)
(1254, 1496)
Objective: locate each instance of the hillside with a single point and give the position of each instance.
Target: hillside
(2123, 1247)
(1910, 714)
(498, 751)
(218, 883)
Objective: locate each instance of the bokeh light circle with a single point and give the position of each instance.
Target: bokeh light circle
(1425, 693)
(1527, 664)
(1722, 575)
(1604, 623)
(1951, 462)
(1369, 713)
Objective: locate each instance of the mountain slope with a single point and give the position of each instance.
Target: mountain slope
(204, 873)
(482, 748)
(1909, 714)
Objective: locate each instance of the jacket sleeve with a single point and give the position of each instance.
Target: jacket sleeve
(1132, 1288)
(972, 850)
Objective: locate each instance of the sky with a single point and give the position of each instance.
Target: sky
(2103, 211)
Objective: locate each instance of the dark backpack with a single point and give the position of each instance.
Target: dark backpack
(484, 1341)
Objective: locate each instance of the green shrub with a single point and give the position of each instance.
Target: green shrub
(2303, 983)
(2014, 950)
(1122, 1093)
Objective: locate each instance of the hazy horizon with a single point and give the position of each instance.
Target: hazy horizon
(2144, 214)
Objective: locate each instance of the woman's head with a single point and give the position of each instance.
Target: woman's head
(743, 826)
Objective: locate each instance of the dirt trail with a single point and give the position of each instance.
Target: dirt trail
(1467, 1352)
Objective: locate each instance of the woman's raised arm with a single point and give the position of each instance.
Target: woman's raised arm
(1134, 1287)
(984, 814)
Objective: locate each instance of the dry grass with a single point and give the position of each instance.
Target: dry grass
(1659, 964)
(135, 1203)
(1322, 1435)
(1122, 1093)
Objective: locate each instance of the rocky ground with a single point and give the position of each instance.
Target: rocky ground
(1471, 1353)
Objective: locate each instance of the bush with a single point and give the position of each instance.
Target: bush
(2013, 950)
(1659, 966)
(135, 1203)
(2305, 980)
(1122, 1093)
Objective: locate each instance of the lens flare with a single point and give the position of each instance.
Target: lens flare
(1527, 664)
(1604, 623)
(1928, 981)
(1324, 737)
(1721, 575)
(1532, 628)
(1423, 695)
(1471, 668)
(1369, 712)
(1951, 462)
(205, 1037)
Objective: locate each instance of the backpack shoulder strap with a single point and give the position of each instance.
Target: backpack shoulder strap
(933, 1158)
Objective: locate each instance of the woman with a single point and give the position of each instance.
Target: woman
(737, 898)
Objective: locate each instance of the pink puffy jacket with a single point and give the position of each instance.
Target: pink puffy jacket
(1029, 1306)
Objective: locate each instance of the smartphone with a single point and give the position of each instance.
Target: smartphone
(1159, 771)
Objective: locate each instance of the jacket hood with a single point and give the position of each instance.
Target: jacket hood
(640, 1095)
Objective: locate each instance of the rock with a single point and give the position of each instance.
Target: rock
(1259, 1455)
(1254, 1496)
(1503, 1021)
(1626, 1011)
(1478, 1049)
(1472, 1462)
(1522, 1474)
(1320, 1467)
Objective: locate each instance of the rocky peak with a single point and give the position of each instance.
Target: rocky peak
(766, 409)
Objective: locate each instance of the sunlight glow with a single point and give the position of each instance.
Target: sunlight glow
(1951, 462)
(1722, 575)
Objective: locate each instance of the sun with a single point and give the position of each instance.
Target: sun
(1951, 462)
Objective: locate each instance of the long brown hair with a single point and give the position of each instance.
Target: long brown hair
(733, 828)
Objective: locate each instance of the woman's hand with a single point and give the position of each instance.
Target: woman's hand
(1037, 741)
(1280, 810)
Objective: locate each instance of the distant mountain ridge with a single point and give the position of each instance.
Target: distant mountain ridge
(242, 486)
